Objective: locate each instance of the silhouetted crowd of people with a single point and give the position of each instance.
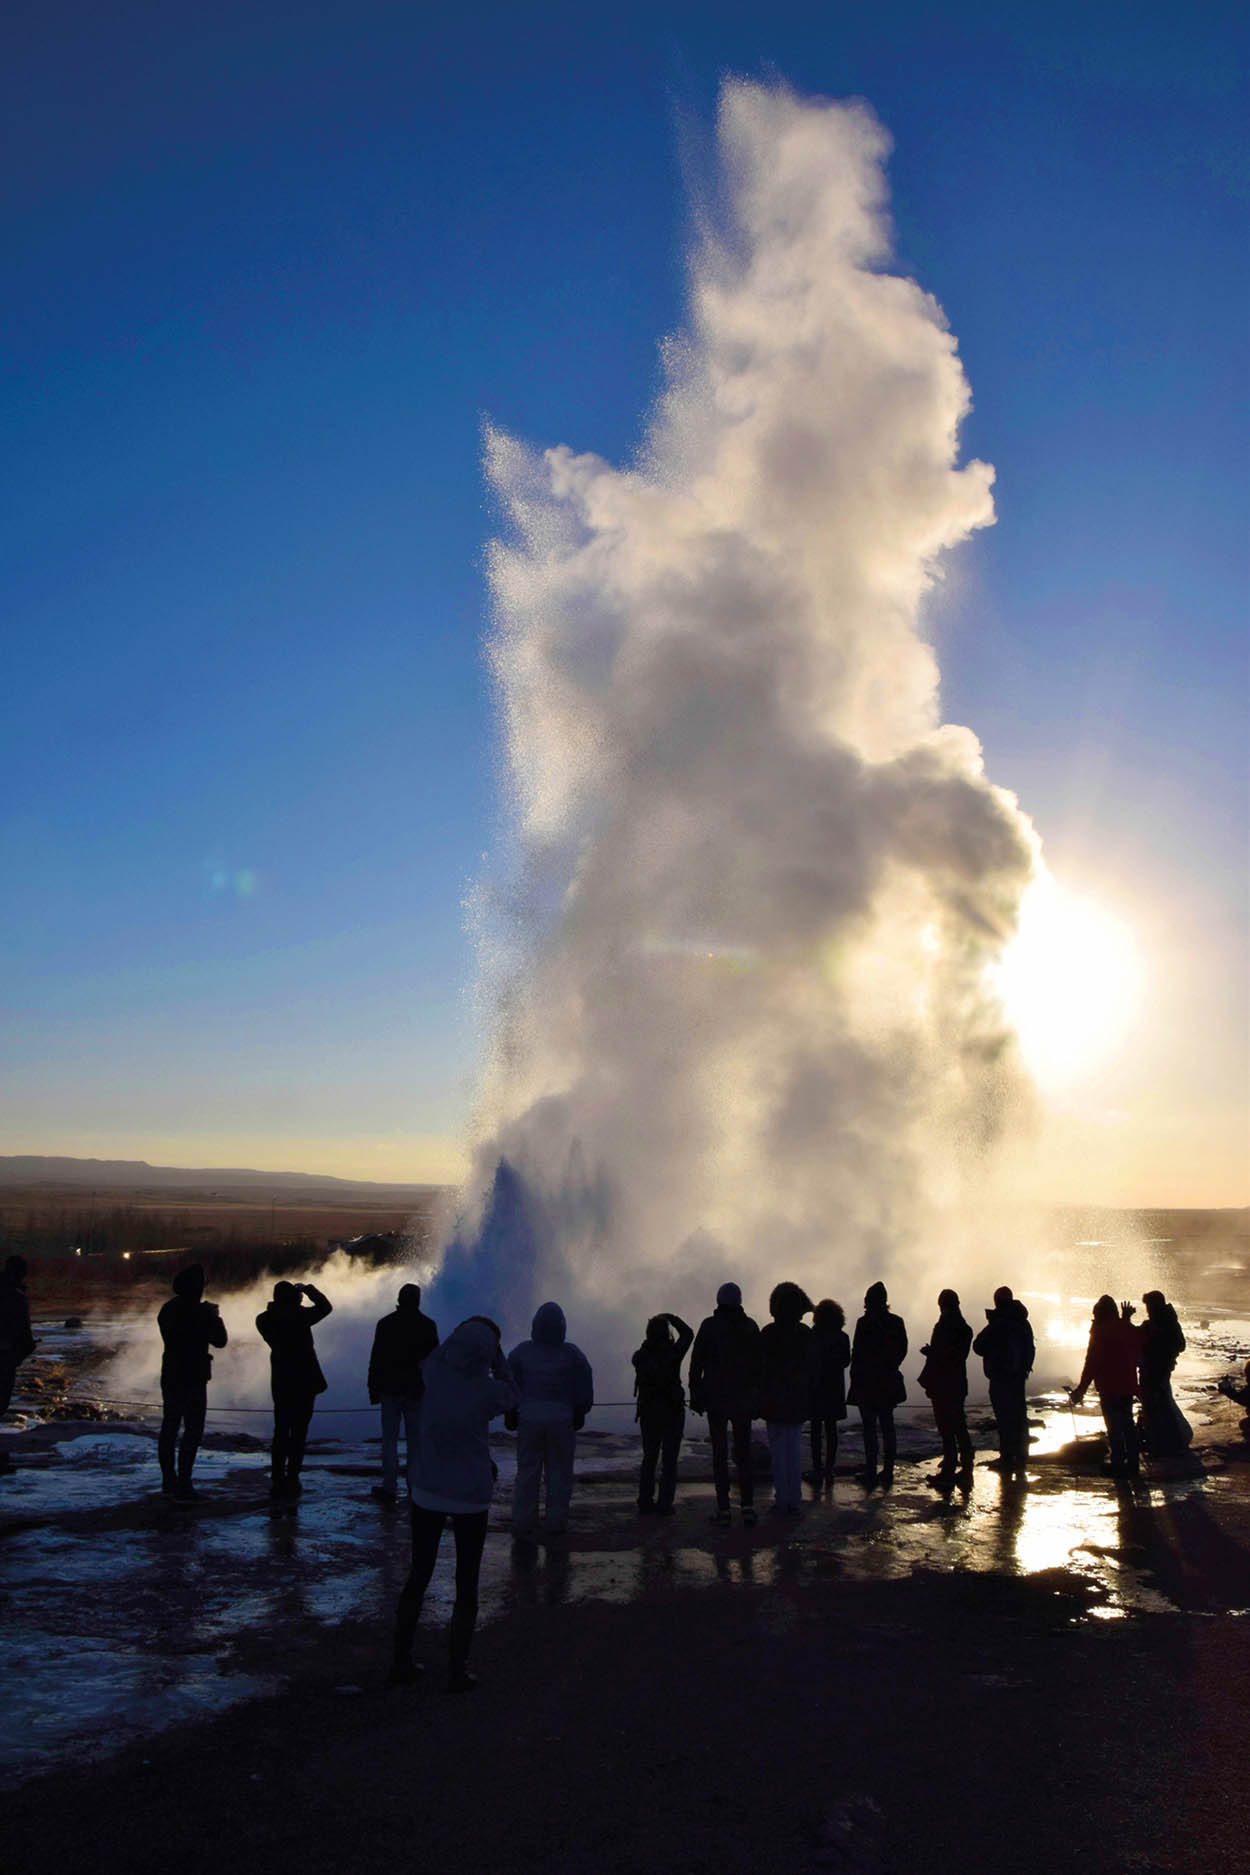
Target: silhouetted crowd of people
(444, 1395)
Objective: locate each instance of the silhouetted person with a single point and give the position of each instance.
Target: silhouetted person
(661, 1410)
(17, 1343)
(555, 1391)
(1231, 1391)
(785, 1392)
(1111, 1362)
(724, 1383)
(401, 1341)
(295, 1376)
(189, 1328)
(830, 1354)
(467, 1384)
(1006, 1348)
(1165, 1432)
(944, 1378)
(877, 1354)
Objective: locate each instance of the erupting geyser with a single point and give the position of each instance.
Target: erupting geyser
(745, 1022)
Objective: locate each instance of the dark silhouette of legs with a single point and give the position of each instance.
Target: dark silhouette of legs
(185, 1406)
(868, 1418)
(1011, 1419)
(469, 1530)
(291, 1415)
(670, 1445)
(652, 1439)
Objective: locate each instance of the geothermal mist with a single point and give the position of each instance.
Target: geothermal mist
(742, 1024)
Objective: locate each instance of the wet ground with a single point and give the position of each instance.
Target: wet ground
(124, 1614)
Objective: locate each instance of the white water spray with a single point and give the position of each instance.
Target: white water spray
(745, 1027)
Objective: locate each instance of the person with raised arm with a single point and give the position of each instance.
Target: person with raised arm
(661, 1409)
(295, 1376)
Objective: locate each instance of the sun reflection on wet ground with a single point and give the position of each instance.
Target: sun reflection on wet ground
(123, 1614)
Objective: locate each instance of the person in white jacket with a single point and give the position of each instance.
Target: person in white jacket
(556, 1389)
(467, 1384)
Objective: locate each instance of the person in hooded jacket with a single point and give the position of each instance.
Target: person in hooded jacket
(189, 1328)
(831, 1355)
(295, 1377)
(1165, 1432)
(661, 1410)
(877, 1355)
(1007, 1349)
(724, 1383)
(1111, 1363)
(785, 1391)
(555, 1390)
(401, 1342)
(467, 1384)
(944, 1378)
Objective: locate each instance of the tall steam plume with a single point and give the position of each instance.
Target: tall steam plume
(742, 1025)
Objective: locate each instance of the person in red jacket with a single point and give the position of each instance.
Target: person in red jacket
(1111, 1363)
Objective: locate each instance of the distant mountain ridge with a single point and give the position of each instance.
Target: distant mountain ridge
(138, 1175)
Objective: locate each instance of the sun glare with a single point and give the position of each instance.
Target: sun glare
(1071, 981)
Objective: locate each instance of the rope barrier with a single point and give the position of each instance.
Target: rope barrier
(158, 1406)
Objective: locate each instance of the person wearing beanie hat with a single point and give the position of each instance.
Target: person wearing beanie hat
(724, 1382)
(944, 1378)
(189, 1328)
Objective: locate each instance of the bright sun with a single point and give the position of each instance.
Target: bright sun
(1071, 981)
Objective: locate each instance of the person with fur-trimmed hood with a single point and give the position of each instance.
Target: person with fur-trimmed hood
(785, 1391)
(556, 1390)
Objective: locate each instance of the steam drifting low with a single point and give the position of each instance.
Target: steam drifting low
(738, 986)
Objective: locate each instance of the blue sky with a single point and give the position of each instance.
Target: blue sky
(268, 269)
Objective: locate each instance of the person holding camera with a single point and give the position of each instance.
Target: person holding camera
(295, 1376)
